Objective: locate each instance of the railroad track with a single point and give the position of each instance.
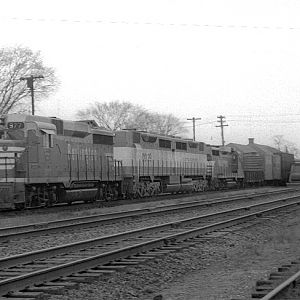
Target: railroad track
(283, 284)
(36, 229)
(51, 269)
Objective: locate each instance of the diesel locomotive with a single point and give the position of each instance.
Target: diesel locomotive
(46, 160)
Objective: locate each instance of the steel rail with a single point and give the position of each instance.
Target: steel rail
(88, 221)
(48, 274)
(45, 253)
(281, 287)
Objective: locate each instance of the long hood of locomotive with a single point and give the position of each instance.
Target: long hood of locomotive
(130, 155)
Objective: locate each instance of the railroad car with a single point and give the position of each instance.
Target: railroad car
(49, 160)
(227, 171)
(252, 164)
(277, 163)
(294, 177)
(155, 163)
(264, 164)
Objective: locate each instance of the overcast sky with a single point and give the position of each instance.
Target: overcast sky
(201, 58)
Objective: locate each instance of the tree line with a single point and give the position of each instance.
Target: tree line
(18, 62)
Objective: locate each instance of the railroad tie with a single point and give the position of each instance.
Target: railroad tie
(44, 289)
(85, 275)
(100, 272)
(24, 295)
(262, 288)
(16, 298)
(64, 284)
(123, 263)
(264, 282)
(258, 295)
(146, 256)
(109, 268)
(133, 259)
(276, 275)
(74, 279)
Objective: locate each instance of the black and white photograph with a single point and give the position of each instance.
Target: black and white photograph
(149, 150)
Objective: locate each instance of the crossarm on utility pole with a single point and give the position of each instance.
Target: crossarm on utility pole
(194, 129)
(30, 80)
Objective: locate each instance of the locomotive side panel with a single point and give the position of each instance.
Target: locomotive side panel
(156, 157)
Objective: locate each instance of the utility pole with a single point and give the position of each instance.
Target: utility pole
(30, 80)
(194, 121)
(222, 125)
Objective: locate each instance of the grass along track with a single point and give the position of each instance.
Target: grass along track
(113, 252)
(35, 229)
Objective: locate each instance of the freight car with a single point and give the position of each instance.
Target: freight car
(48, 160)
(294, 177)
(155, 164)
(263, 164)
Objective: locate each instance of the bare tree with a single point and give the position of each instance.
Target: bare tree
(286, 146)
(112, 115)
(17, 62)
(164, 124)
(117, 115)
(278, 141)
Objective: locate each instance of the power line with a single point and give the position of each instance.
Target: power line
(250, 121)
(200, 124)
(122, 22)
(264, 116)
(266, 121)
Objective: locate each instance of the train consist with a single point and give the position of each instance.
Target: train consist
(44, 161)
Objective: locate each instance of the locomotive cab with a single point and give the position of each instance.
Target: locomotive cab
(12, 146)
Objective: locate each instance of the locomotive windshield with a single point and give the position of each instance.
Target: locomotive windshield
(11, 130)
(7, 134)
(15, 134)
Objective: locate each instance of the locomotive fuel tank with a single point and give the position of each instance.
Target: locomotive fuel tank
(78, 195)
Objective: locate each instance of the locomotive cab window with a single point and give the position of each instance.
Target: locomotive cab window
(47, 136)
(103, 139)
(215, 152)
(181, 146)
(164, 143)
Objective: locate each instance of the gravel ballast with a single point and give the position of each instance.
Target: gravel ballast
(8, 219)
(221, 268)
(19, 245)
